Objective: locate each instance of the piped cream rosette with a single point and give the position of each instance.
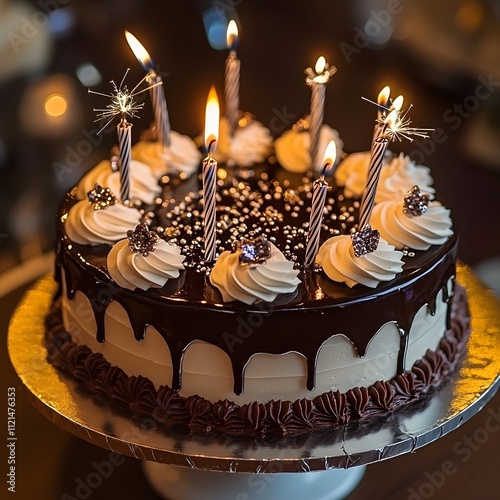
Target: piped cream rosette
(401, 228)
(251, 282)
(143, 184)
(250, 145)
(182, 156)
(398, 175)
(292, 147)
(144, 262)
(99, 219)
(336, 257)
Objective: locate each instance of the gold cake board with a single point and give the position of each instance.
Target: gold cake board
(59, 399)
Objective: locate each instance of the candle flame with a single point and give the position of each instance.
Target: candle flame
(383, 96)
(392, 120)
(212, 118)
(320, 65)
(139, 51)
(232, 34)
(330, 155)
(397, 104)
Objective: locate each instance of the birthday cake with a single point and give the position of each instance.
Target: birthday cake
(301, 319)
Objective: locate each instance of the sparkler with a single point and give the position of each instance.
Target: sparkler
(394, 124)
(123, 101)
(399, 127)
(124, 105)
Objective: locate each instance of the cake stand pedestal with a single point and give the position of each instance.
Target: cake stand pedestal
(191, 467)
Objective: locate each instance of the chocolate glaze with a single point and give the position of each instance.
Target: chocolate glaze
(138, 395)
(190, 308)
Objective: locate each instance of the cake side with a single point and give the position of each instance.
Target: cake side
(169, 409)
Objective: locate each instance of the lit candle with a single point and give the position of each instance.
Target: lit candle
(123, 105)
(232, 83)
(320, 188)
(156, 92)
(396, 104)
(382, 104)
(317, 80)
(124, 131)
(379, 148)
(209, 170)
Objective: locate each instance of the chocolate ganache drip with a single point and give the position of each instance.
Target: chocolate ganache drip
(189, 308)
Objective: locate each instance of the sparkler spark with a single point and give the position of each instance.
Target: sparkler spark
(122, 103)
(399, 127)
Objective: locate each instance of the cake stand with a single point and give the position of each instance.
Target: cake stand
(319, 466)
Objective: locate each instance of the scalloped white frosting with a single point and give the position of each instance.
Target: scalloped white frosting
(181, 156)
(143, 184)
(250, 145)
(87, 226)
(292, 148)
(433, 227)
(337, 258)
(249, 284)
(398, 175)
(132, 270)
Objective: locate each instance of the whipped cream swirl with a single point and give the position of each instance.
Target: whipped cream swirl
(132, 270)
(143, 184)
(87, 226)
(337, 258)
(398, 175)
(251, 283)
(250, 145)
(433, 227)
(181, 156)
(292, 148)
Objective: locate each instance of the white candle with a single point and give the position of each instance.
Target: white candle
(320, 189)
(157, 92)
(209, 171)
(232, 78)
(317, 80)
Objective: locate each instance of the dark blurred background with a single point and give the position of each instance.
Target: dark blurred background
(443, 56)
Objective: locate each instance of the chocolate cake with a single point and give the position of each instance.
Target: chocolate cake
(257, 343)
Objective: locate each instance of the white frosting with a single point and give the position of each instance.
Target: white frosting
(398, 175)
(132, 270)
(87, 226)
(433, 227)
(143, 184)
(249, 284)
(181, 156)
(337, 258)
(207, 370)
(250, 145)
(292, 148)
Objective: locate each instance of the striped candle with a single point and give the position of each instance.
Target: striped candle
(379, 148)
(317, 80)
(157, 93)
(232, 79)
(209, 170)
(316, 120)
(160, 110)
(320, 189)
(382, 103)
(124, 131)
